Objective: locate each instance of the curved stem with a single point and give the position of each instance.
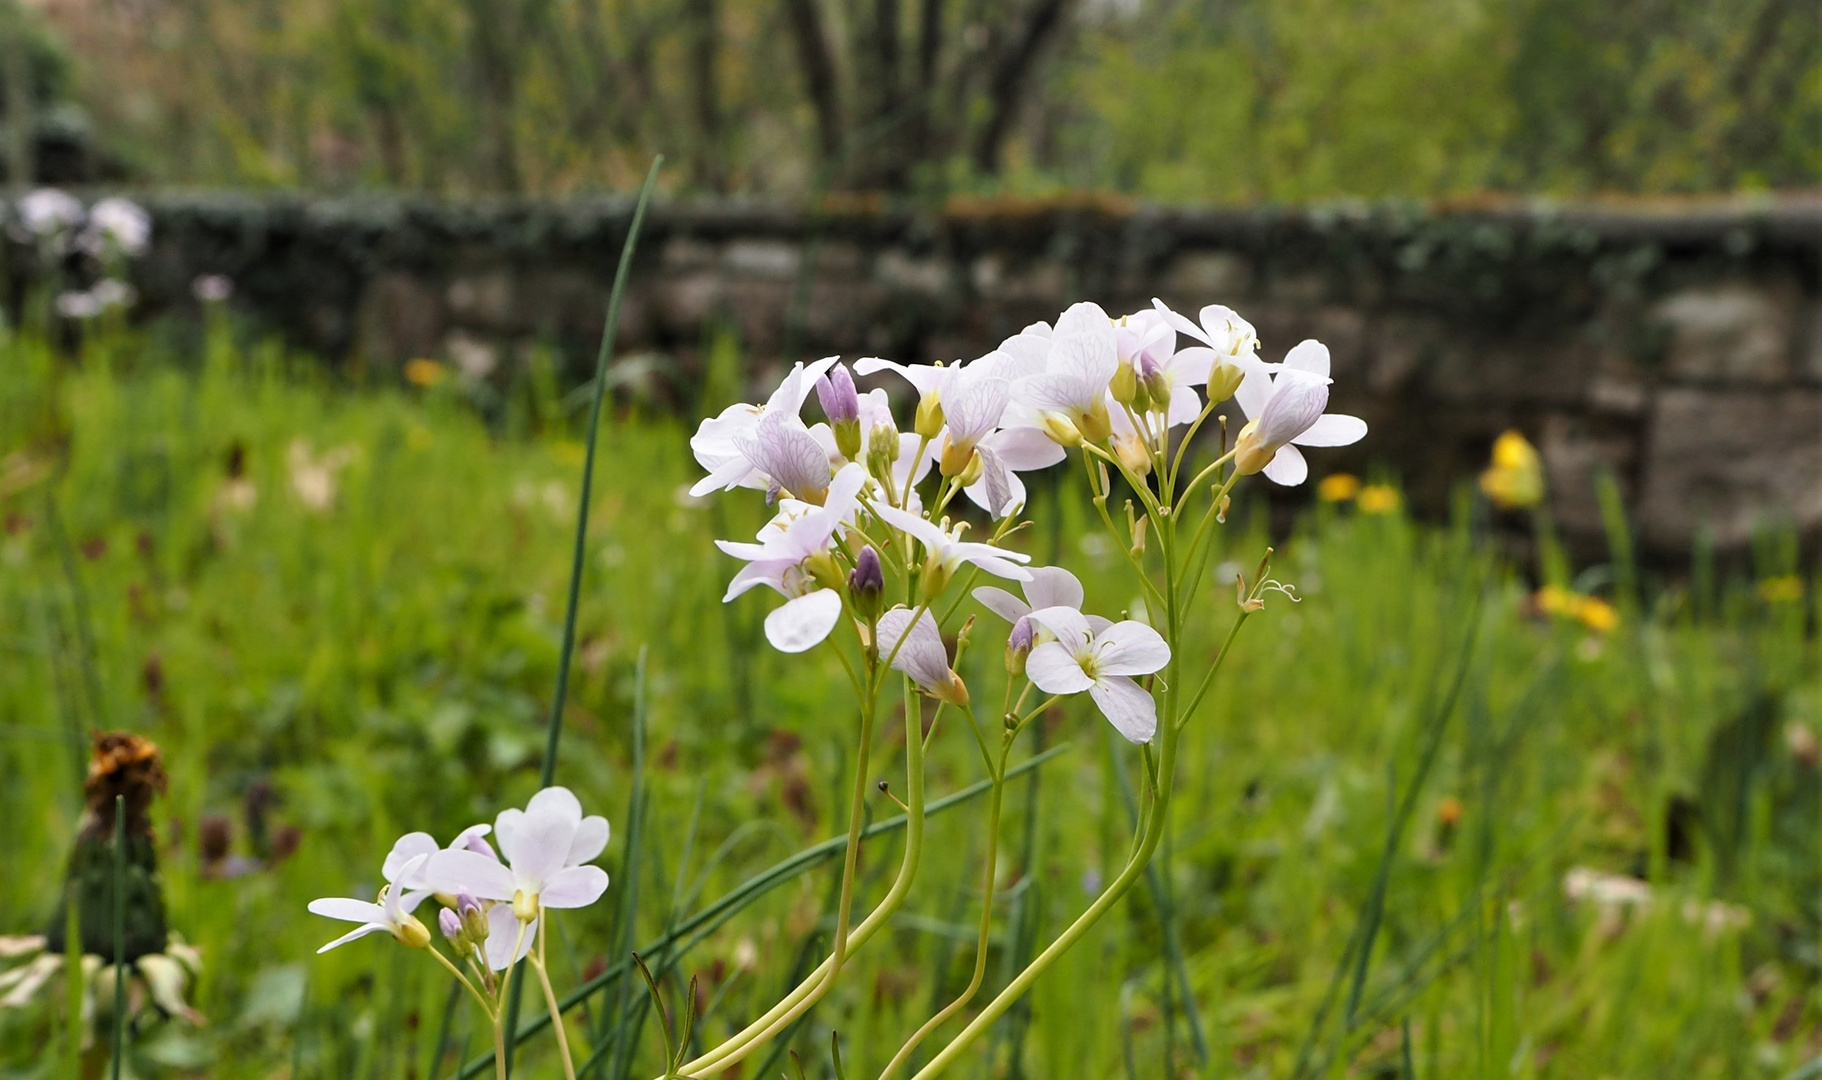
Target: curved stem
(816, 985)
(980, 947)
(486, 1006)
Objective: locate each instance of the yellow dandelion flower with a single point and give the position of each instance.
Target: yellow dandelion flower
(1516, 478)
(1338, 487)
(1379, 499)
(423, 372)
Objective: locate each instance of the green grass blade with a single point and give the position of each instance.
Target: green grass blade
(559, 698)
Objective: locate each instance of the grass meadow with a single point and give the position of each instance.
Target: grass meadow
(336, 604)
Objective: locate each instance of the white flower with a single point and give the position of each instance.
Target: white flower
(716, 443)
(393, 914)
(1102, 663)
(945, 550)
(407, 848)
(47, 212)
(1221, 329)
(916, 648)
(782, 451)
(1286, 409)
(212, 288)
(1050, 586)
(119, 224)
(546, 846)
(1070, 394)
(780, 561)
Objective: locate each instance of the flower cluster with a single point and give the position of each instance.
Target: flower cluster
(850, 496)
(90, 245)
(493, 904)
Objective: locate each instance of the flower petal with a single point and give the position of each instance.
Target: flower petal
(1127, 707)
(578, 886)
(348, 910)
(1003, 603)
(404, 849)
(1069, 625)
(1054, 670)
(538, 850)
(503, 934)
(1333, 429)
(804, 622)
(590, 841)
(1130, 648)
(1288, 467)
(464, 871)
(1052, 586)
(1309, 355)
(354, 935)
(556, 800)
(1255, 387)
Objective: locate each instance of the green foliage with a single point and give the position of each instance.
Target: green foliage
(351, 596)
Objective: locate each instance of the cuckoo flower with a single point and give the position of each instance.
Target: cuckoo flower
(1221, 329)
(1050, 586)
(1101, 662)
(407, 848)
(117, 224)
(1288, 409)
(1070, 395)
(716, 443)
(393, 914)
(793, 559)
(945, 550)
(916, 648)
(782, 451)
(547, 847)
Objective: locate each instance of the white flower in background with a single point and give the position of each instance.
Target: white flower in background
(916, 648)
(945, 550)
(86, 304)
(393, 914)
(1103, 663)
(117, 224)
(314, 477)
(212, 288)
(547, 847)
(792, 559)
(1070, 395)
(1288, 409)
(47, 212)
(717, 442)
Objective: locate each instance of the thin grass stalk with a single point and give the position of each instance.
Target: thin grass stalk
(120, 932)
(629, 894)
(732, 903)
(603, 358)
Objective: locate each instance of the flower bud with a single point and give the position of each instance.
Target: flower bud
(1154, 385)
(929, 419)
(956, 693)
(1223, 379)
(473, 916)
(1061, 431)
(451, 925)
(1125, 384)
(867, 583)
(1133, 454)
(412, 934)
(882, 451)
(935, 578)
(1094, 424)
(1018, 645)
(840, 401)
(524, 906)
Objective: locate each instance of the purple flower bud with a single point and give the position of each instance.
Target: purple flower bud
(866, 582)
(473, 917)
(1018, 645)
(451, 924)
(840, 401)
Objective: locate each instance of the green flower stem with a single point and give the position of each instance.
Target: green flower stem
(980, 947)
(812, 989)
(550, 999)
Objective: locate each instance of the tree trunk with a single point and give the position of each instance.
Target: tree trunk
(705, 45)
(1010, 77)
(819, 75)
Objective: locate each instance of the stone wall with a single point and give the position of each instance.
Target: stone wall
(1678, 348)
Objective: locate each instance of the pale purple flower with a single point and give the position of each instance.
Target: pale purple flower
(392, 915)
(781, 450)
(1078, 367)
(946, 551)
(1049, 586)
(547, 847)
(1103, 663)
(716, 443)
(778, 561)
(1287, 408)
(916, 648)
(407, 848)
(1221, 329)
